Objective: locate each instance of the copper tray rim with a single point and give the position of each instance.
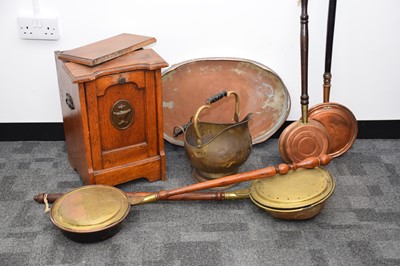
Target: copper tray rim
(258, 139)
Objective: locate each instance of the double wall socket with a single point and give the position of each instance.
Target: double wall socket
(38, 28)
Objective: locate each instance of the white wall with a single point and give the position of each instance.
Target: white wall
(365, 64)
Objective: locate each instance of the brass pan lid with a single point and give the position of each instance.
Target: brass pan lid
(296, 189)
(288, 211)
(90, 209)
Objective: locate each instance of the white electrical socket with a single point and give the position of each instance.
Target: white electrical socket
(38, 28)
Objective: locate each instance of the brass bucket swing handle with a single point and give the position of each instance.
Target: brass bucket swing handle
(178, 130)
(210, 101)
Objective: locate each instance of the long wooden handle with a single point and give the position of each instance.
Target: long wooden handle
(329, 47)
(186, 192)
(192, 196)
(270, 171)
(304, 61)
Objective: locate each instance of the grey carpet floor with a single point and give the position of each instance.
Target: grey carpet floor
(360, 224)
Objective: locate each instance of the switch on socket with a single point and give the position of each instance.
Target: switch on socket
(38, 28)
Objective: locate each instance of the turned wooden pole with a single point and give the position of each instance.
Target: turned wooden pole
(217, 195)
(188, 192)
(270, 171)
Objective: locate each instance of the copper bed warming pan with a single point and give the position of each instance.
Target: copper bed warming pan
(306, 137)
(297, 195)
(96, 212)
(338, 119)
(260, 89)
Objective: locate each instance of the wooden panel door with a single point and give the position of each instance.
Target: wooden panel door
(120, 125)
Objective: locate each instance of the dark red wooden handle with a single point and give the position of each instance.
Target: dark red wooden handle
(304, 52)
(186, 193)
(217, 195)
(270, 171)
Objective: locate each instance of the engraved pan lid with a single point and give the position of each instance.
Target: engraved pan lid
(296, 189)
(90, 209)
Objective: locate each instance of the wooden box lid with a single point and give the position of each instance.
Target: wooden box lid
(144, 59)
(107, 49)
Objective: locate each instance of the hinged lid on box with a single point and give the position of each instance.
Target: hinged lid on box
(107, 49)
(144, 59)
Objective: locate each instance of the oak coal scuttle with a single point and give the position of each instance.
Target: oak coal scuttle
(112, 115)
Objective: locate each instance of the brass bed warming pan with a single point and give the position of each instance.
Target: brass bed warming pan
(96, 212)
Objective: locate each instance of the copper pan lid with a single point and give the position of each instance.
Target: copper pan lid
(340, 123)
(296, 189)
(90, 209)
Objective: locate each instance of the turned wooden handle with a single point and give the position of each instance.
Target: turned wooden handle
(329, 47)
(186, 193)
(270, 171)
(304, 61)
(217, 195)
(304, 52)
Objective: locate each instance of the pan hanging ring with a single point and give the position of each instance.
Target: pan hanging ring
(211, 100)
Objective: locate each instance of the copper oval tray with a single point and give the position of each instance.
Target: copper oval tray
(188, 85)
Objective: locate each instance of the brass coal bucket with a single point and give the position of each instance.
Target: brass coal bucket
(215, 150)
